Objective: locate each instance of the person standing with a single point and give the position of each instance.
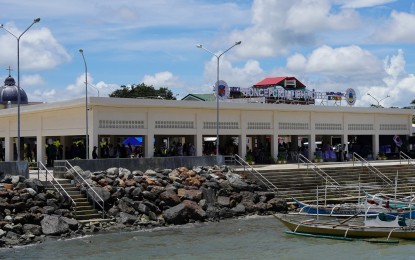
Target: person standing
(192, 150)
(94, 153)
(29, 156)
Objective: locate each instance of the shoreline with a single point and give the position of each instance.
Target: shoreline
(135, 201)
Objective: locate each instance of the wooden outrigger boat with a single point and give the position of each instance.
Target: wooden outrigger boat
(369, 231)
(351, 209)
(390, 202)
(341, 210)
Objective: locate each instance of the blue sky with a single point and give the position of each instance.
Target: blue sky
(329, 45)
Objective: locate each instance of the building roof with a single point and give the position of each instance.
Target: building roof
(279, 81)
(200, 97)
(10, 92)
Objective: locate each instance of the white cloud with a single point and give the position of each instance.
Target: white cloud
(39, 49)
(349, 61)
(394, 67)
(104, 89)
(365, 3)
(279, 25)
(399, 28)
(74, 90)
(336, 69)
(244, 76)
(161, 79)
(32, 80)
(310, 16)
(297, 62)
(41, 95)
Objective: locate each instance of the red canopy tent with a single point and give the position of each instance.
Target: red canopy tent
(285, 82)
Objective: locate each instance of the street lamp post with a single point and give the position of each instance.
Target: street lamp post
(18, 80)
(94, 87)
(378, 101)
(217, 91)
(86, 106)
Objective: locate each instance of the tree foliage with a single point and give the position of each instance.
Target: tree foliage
(142, 91)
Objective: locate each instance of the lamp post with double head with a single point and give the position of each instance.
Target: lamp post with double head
(217, 91)
(378, 101)
(86, 106)
(94, 87)
(18, 80)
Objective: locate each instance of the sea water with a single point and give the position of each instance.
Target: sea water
(254, 237)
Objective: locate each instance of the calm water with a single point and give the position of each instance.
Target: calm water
(247, 238)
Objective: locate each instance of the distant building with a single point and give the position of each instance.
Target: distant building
(266, 129)
(9, 93)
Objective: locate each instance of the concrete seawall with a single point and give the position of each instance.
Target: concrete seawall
(15, 168)
(141, 164)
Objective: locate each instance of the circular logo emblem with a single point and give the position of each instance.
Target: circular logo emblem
(222, 90)
(350, 96)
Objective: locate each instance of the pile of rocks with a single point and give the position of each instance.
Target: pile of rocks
(29, 212)
(133, 200)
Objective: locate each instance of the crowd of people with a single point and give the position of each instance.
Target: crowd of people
(179, 149)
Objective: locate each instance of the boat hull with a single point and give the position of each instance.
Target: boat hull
(359, 210)
(344, 230)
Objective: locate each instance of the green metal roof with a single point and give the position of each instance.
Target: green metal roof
(200, 97)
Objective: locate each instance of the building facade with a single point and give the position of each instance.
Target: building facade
(163, 124)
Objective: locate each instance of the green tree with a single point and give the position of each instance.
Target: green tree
(413, 117)
(143, 91)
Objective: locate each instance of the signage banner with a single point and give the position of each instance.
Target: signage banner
(222, 90)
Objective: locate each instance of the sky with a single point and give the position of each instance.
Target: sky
(329, 45)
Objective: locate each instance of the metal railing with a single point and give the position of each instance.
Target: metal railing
(96, 199)
(256, 174)
(41, 169)
(357, 158)
(405, 157)
(229, 159)
(301, 159)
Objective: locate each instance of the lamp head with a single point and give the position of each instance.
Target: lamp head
(198, 45)
(237, 43)
(1, 25)
(81, 51)
(36, 20)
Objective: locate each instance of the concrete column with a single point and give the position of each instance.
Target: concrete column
(199, 144)
(274, 146)
(149, 138)
(8, 149)
(311, 146)
(242, 146)
(344, 141)
(149, 145)
(375, 145)
(63, 143)
(40, 149)
(94, 141)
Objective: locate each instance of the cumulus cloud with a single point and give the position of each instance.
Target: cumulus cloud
(161, 79)
(244, 76)
(39, 50)
(32, 80)
(399, 27)
(336, 69)
(279, 25)
(349, 60)
(102, 89)
(73, 90)
(365, 3)
(41, 95)
(394, 67)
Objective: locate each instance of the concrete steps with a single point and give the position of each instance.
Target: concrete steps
(83, 208)
(302, 183)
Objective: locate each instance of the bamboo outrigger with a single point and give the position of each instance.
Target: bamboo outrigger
(345, 231)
